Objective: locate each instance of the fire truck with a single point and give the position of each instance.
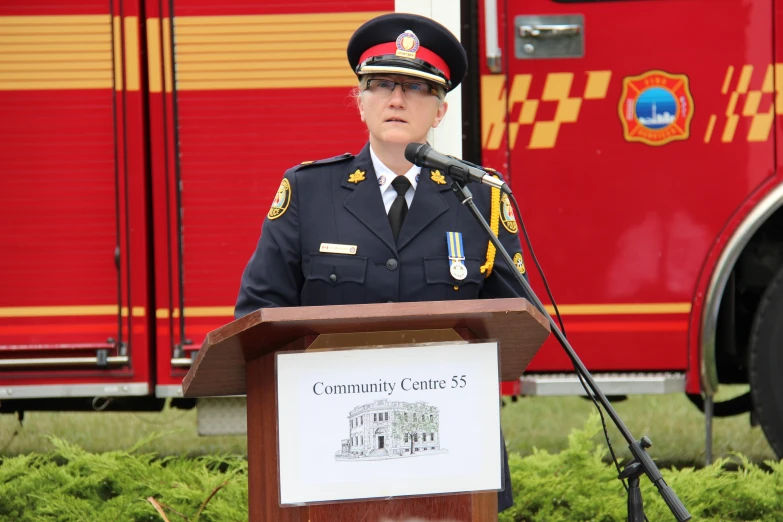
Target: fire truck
(142, 141)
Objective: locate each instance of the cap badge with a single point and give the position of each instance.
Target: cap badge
(356, 177)
(407, 44)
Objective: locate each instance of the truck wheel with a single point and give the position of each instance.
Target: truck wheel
(766, 363)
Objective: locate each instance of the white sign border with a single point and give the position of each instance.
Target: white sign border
(501, 480)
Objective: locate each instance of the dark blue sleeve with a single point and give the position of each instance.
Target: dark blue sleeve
(502, 281)
(273, 275)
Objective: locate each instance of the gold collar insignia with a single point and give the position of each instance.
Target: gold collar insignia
(438, 178)
(356, 177)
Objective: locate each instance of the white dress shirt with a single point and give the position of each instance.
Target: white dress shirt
(385, 177)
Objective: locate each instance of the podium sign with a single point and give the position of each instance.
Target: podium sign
(388, 422)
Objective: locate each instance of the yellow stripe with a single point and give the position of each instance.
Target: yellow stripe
(622, 309)
(228, 311)
(196, 311)
(744, 79)
(47, 31)
(132, 51)
(314, 38)
(280, 83)
(58, 58)
(727, 79)
(272, 28)
(242, 57)
(61, 75)
(138, 311)
(265, 51)
(86, 47)
(37, 85)
(206, 51)
(50, 66)
(191, 21)
(68, 311)
(239, 67)
(153, 55)
(710, 127)
(167, 54)
(54, 20)
(55, 38)
(117, 54)
(259, 75)
(55, 52)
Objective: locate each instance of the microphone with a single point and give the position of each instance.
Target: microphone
(423, 155)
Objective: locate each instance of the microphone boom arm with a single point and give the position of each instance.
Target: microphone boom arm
(642, 462)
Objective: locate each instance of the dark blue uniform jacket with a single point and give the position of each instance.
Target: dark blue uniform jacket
(338, 201)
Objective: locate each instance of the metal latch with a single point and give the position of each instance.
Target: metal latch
(560, 36)
(534, 31)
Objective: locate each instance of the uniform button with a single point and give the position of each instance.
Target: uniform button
(333, 278)
(391, 264)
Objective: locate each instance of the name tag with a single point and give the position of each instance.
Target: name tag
(333, 248)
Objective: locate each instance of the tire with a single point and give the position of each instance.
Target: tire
(728, 408)
(766, 363)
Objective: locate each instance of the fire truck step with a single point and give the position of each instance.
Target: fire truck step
(609, 383)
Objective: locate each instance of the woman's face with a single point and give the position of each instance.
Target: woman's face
(397, 117)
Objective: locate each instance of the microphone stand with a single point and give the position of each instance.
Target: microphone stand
(642, 463)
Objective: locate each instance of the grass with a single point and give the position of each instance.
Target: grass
(672, 422)
(675, 426)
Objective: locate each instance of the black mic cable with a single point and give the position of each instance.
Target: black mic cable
(573, 362)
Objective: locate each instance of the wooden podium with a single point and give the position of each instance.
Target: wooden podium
(238, 359)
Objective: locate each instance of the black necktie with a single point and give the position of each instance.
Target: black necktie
(399, 207)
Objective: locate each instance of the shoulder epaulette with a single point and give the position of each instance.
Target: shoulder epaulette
(335, 159)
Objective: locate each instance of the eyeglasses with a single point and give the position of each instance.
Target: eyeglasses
(383, 87)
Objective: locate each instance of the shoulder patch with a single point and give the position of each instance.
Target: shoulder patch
(281, 201)
(507, 214)
(327, 161)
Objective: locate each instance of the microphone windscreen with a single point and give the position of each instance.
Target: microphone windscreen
(411, 150)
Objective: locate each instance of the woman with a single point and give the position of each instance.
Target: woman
(332, 237)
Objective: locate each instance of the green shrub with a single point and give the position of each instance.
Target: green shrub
(573, 485)
(576, 484)
(73, 485)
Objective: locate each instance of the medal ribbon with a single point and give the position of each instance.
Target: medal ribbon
(454, 243)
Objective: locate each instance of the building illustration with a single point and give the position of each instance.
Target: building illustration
(385, 429)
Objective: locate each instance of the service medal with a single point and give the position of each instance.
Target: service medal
(456, 255)
(458, 271)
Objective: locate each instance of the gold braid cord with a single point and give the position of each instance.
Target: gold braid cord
(494, 224)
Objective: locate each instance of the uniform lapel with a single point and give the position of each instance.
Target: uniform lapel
(428, 204)
(365, 201)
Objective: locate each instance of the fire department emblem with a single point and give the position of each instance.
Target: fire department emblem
(407, 44)
(281, 201)
(656, 107)
(507, 215)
